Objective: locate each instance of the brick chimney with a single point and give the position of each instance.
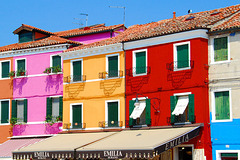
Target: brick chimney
(174, 15)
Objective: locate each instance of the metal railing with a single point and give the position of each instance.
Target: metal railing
(78, 125)
(138, 71)
(108, 124)
(74, 78)
(110, 74)
(181, 119)
(180, 65)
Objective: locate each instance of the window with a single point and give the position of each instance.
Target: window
(21, 67)
(140, 62)
(56, 61)
(112, 66)
(19, 110)
(25, 37)
(182, 56)
(4, 111)
(221, 52)
(182, 108)
(139, 116)
(221, 106)
(76, 114)
(227, 154)
(112, 113)
(54, 108)
(77, 70)
(185, 153)
(5, 69)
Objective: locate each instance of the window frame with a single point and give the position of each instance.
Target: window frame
(218, 153)
(51, 60)
(1, 68)
(71, 69)
(107, 62)
(71, 114)
(134, 61)
(175, 150)
(9, 111)
(57, 96)
(212, 50)
(213, 105)
(16, 64)
(175, 45)
(106, 109)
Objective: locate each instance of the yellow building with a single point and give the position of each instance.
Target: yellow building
(94, 87)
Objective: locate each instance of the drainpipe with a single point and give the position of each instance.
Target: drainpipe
(125, 81)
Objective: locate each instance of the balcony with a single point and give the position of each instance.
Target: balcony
(180, 65)
(109, 124)
(110, 74)
(74, 78)
(135, 71)
(74, 126)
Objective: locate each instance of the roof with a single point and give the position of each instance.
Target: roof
(30, 28)
(200, 20)
(88, 30)
(52, 40)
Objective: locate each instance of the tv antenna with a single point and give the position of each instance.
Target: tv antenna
(123, 12)
(82, 19)
(84, 14)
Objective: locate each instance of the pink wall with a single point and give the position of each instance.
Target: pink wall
(36, 87)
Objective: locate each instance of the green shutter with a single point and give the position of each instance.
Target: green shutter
(77, 70)
(148, 111)
(4, 111)
(49, 107)
(113, 66)
(191, 116)
(77, 116)
(61, 107)
(173, 102)
(141, 62)
(220, 49)
(56, 61)
(5, 69)
(112, 114)
(25, 110)
(182, 56)
(222, 107)
(21, 64)
(232, 155)
(131, 108)
(14, 109)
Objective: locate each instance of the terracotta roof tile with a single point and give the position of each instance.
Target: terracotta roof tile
(88, 30)
(52, 40)
(30, 28)
(199, 20)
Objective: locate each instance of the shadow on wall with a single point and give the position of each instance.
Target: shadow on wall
(179, 77)
(18, 129)
(136, 83)
(109, 86)
(18, 84)
(74, 89)
(53, 82)
(52, 129)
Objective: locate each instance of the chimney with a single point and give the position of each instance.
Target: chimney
(174, 15)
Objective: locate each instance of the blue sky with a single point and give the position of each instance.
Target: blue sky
(58, 15)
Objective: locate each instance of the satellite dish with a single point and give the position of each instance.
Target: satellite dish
(189, 11)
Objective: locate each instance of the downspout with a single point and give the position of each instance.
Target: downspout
(125, 81)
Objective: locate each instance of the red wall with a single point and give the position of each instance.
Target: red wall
(162, 83)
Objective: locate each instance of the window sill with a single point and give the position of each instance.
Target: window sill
(221, 62)
(182, 123)
(227, 120)
(142, 74)
(182, 69)
(4, 124)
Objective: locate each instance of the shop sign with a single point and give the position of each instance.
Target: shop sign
(112, 154)
(176, 142)
(41, 155)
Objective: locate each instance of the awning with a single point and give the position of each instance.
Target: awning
(181, 105)
(109, 145)
(137, 111)
(7, 147)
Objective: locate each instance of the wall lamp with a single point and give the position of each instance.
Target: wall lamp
(153, 101)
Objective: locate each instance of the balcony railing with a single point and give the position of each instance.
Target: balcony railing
(78, 125)
(138, 71)
(110, 74)
(181, 119)
(74, 78)
(108, 124)
(178, 65)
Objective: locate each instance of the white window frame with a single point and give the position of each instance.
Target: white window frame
(213, 105)
(71, 69)
(134, 61)
(52, 60)
(16, 65)
(1, 68)
(112, 55)
(58, 102)
(106, 109)
(212, 50)
(175, 45)
(72, 104)
(218, 153)
(8, 110)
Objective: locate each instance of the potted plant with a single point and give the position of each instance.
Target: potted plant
(21, 72)
(48, 70)
(12, 74)
(56, 69)
(13, 121)
(59, 118)
(49, 119)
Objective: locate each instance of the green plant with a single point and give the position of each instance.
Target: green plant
(13, 121)
(56, 69)
(59, 118)
(12, 74)
(51, 120)
(21, 72)
(48, 70)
